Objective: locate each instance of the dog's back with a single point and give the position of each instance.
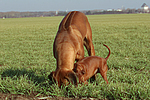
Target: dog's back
(71, 20)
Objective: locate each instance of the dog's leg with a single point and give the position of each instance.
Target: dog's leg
(104, 76)
(88, 41)
(89, 46)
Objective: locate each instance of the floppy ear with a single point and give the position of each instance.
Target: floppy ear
(66, 77)
(72, 78)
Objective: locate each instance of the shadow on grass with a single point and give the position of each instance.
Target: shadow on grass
(21, 72)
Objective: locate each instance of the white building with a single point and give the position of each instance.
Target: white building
(145, 8)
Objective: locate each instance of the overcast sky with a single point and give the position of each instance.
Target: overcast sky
(62, 5)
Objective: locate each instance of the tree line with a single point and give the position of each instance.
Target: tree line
(62, 13)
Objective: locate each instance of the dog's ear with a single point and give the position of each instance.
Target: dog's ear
(66, 77)
(72, 78)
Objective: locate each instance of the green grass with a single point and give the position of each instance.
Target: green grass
(26, 57)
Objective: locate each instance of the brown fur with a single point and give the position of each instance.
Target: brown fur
(74, 32)
(89, 66)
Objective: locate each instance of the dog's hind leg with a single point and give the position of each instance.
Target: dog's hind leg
(89, 46)
(88, 41)
(104, 76)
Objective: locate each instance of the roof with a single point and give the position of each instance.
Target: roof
(144, 4)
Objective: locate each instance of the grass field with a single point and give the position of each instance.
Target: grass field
(26, 57)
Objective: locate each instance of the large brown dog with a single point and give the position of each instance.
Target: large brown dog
(89, 66)
(74, 32)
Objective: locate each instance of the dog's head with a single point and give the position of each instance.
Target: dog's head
(79, 70)
(63, 77)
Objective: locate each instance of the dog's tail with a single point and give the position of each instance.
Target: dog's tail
(109, 52)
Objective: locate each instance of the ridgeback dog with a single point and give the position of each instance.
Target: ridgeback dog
(90, 66)
(73, 34)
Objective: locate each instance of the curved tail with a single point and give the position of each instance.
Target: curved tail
(109, 52)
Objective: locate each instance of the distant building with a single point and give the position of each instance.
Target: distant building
(56, 13)
(119, 9)
(145, 7)
(109, 9)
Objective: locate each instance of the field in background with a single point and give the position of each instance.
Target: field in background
(26, 57)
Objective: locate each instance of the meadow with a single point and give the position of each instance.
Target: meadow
(26, 57)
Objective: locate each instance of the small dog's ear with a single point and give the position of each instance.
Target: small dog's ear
(83, 72)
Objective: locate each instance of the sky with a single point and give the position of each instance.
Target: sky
(69, 5)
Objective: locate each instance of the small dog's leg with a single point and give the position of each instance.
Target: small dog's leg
(104, 76)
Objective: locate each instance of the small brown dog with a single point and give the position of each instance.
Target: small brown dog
(73, 34)
(91, 65)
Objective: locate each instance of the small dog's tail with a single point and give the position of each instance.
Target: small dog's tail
(109, 52)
